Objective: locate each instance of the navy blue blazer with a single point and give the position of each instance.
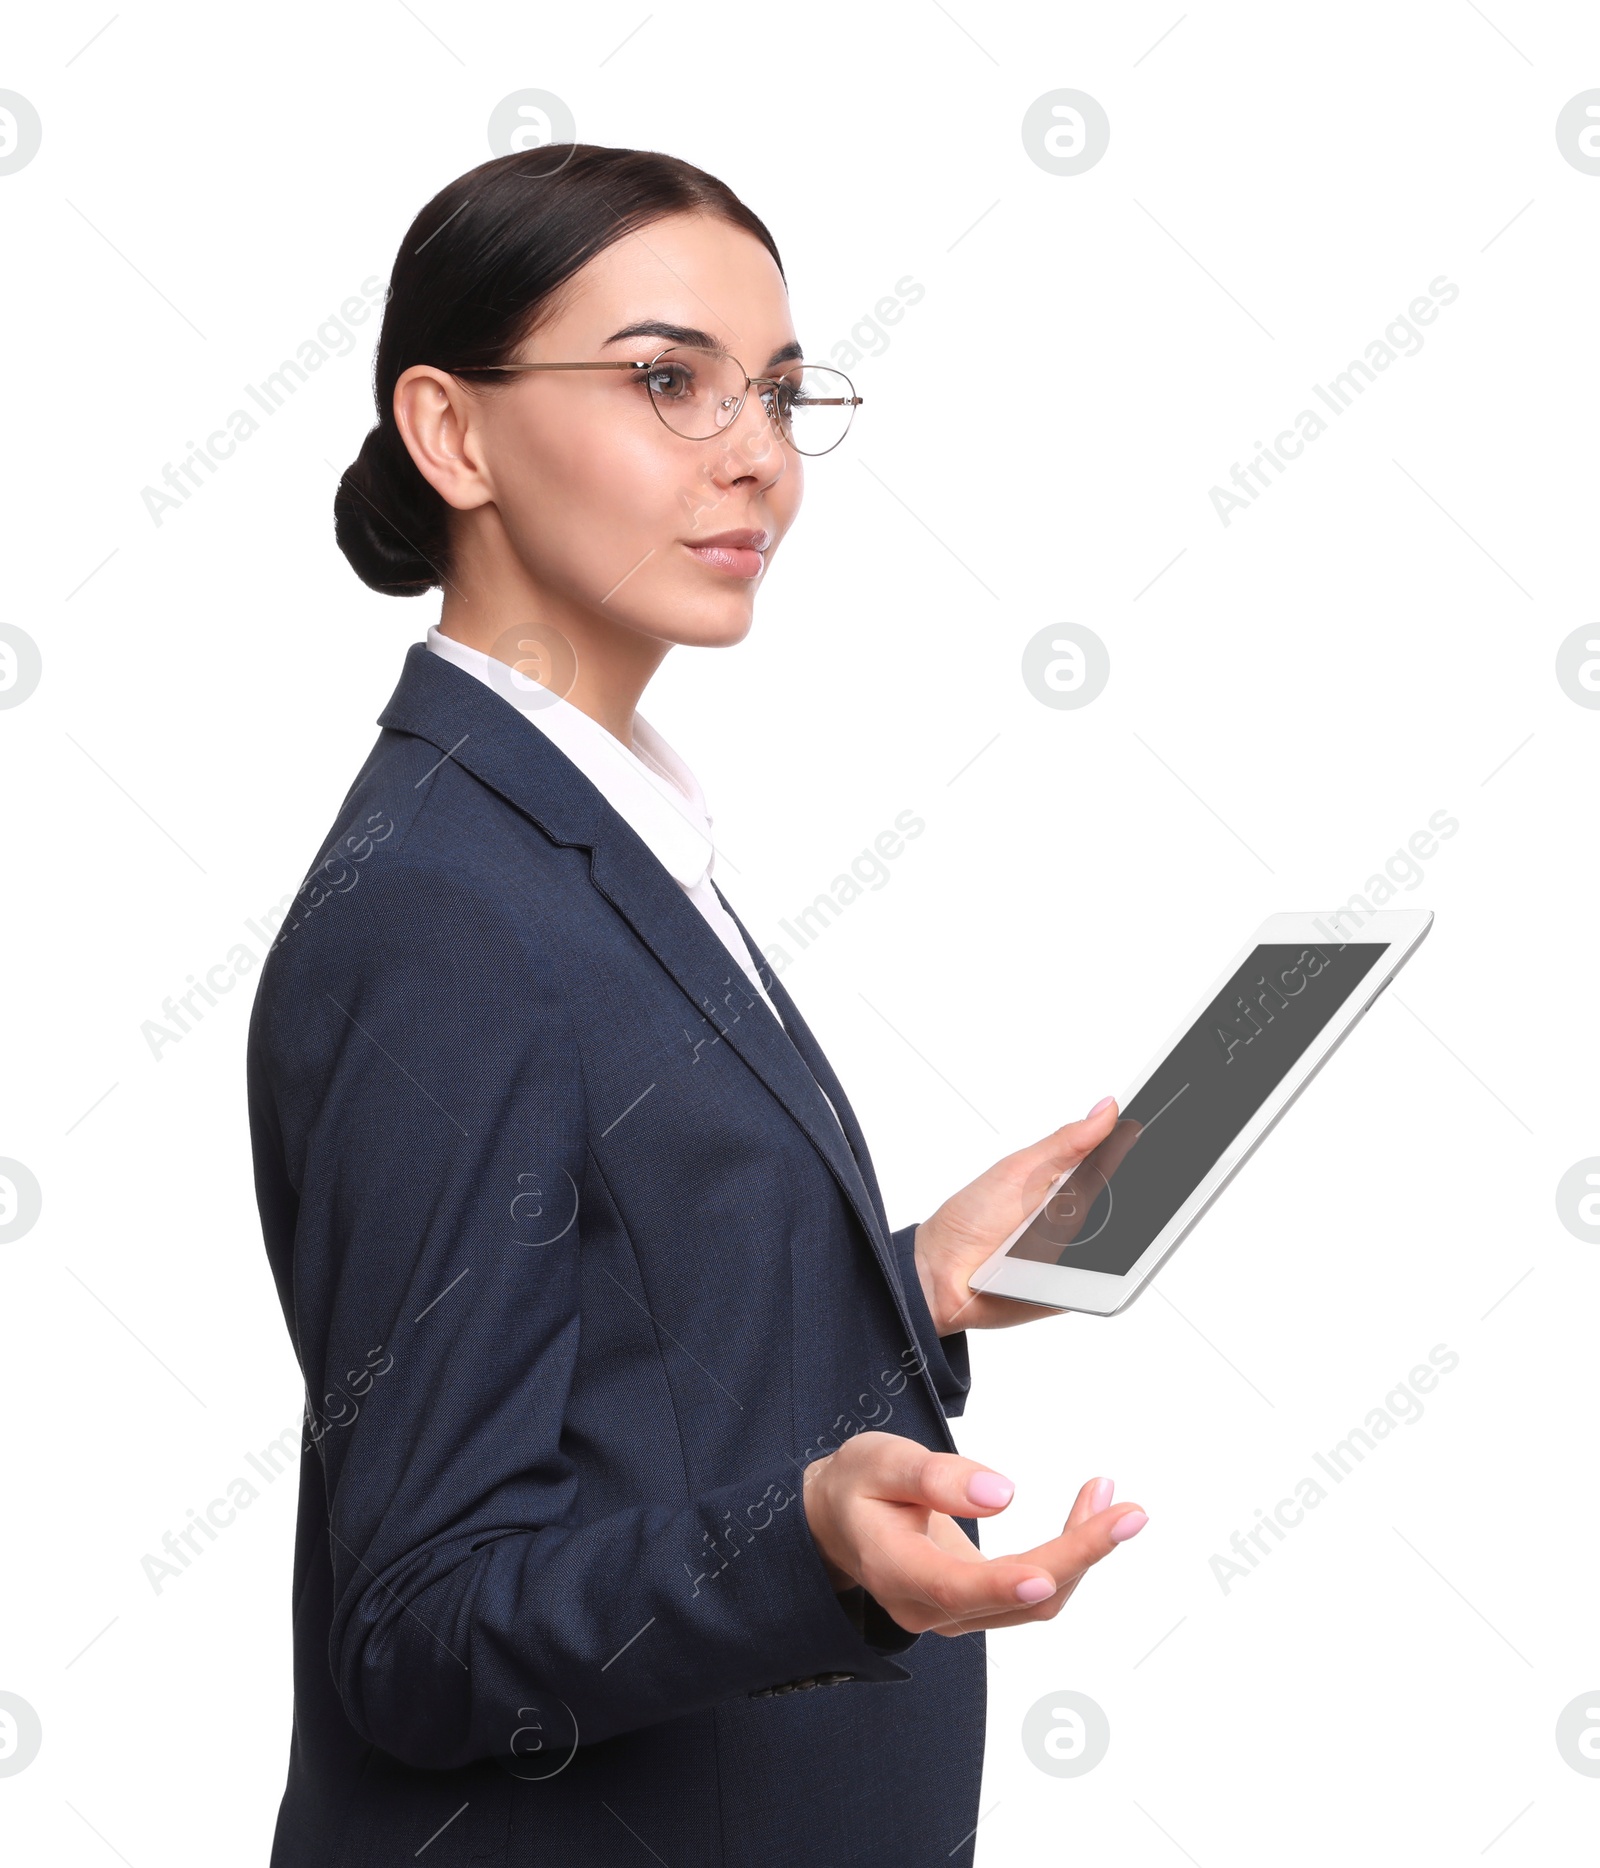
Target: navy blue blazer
(581, 1273)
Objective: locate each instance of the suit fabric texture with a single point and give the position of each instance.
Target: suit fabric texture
(581, 1272)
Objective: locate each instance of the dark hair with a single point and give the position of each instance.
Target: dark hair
(475, 272)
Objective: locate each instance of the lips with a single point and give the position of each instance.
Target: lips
(735, 554)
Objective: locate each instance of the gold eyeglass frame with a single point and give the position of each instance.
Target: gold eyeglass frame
(851, 401)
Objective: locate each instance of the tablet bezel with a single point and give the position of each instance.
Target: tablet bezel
(1100, 1293)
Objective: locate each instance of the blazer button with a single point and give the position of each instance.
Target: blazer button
(801, 1685)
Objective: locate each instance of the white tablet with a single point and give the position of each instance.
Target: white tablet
(1265, 1029)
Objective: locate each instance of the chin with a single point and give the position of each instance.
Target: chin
(702, 625)
(711, 634)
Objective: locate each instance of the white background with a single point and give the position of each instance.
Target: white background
(1374, 640)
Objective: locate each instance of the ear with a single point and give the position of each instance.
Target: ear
(435, 415)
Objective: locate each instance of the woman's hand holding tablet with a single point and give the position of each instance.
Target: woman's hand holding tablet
(1283, 1006)
(963, 1234)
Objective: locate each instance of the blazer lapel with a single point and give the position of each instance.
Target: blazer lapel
(789, 1062)
(440, 703)
(821, 1070)
(815, 1060)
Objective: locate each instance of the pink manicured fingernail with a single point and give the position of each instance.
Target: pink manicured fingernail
(1100, 1497)
(989, 1488)
(1124, 1528)
(1104, 1102)
(1035, 1589)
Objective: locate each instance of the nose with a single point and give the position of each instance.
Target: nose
(750, 447)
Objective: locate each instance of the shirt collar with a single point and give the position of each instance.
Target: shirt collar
(648, 785)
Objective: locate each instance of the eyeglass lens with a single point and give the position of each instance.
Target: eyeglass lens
(697, 393)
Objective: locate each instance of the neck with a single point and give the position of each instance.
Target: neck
(597, 664)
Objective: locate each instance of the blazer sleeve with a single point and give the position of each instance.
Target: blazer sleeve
(947, 1358)
(411, 1064)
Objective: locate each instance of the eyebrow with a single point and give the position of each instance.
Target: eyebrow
(702, 340)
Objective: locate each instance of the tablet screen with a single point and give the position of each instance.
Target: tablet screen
(1115, 1202)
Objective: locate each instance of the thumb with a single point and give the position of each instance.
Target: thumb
(908, 1473)
(1054, 1154)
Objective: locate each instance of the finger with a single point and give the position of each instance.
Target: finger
(1113, 1151)
(1081, 1546)
(1094, 1496)
(923, 1585)
(1046, 1609)
(903, 1471)
(1051, 1606)
(926, 1586)
(1056, 1154)
(1070, 1205)
(1073, 1140)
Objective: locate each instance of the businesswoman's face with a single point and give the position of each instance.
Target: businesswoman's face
(572, 499)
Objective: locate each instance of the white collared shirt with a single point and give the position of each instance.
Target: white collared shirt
(649, 786)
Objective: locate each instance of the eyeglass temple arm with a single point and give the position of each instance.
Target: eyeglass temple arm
(610, 363)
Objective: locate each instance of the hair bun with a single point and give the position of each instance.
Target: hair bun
(384, 515)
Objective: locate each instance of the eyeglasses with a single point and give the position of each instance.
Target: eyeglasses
(698, 393)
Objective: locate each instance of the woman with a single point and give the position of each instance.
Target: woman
(628, 1494)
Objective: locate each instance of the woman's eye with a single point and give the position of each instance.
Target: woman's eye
(671, 381)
